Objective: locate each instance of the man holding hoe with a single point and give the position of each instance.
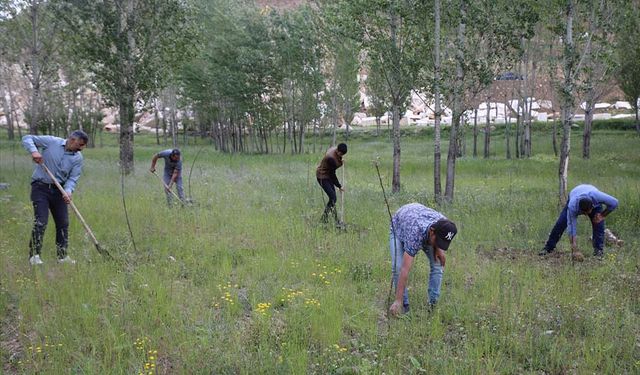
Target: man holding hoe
(172, 171)
(415, 227)
(62, 158)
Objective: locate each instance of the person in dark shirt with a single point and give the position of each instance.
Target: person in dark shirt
(172, 171)
(326, 175)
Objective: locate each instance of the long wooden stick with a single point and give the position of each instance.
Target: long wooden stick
(75, 209)
(167, 187)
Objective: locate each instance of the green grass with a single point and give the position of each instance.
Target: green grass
(246, 280)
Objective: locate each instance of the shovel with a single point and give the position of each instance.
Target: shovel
(102, 251)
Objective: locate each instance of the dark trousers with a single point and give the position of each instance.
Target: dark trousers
(45, 198)
(561, 225)
(330, 190)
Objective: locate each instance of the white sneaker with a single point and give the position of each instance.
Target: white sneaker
(67, 260)
(35, 260)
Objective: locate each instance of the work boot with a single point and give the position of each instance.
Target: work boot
(35, 260)
(546, 252)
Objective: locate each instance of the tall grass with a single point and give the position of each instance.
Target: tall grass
(246, 280)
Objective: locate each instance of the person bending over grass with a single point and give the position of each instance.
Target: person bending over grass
(64, 159)
(326, 176)
(172, 171)
(583, 200)
(415, 227)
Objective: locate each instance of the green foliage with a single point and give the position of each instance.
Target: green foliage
(392, 35)
(628, 54)
(246, 280)
(129, 47)
(257, 68)
(492, 42)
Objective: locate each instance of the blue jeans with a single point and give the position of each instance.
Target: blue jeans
(167, 179)
(435, 270)
(561, 226)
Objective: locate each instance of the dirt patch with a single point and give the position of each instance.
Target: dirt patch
(527, 255)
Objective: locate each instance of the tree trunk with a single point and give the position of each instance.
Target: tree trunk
(507, 130)
(457, 105)
(461, 146)
(586, 133)
(531, 95)
(127, 92)
(437, 185)
(126, 133)
(36, 69)
(516, 141)
(13, 113)
(395, 184)
(7, 112)
(637, 116)
(156, 117)
(451, 156)
(591, 94)
(475, 133)
(347, 118)
(334, 104)
(173, 127)
(526, 104)
(487, 129)
(554, 137)
(567, 101)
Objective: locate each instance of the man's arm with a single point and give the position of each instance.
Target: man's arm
(573, 242)
(174, 177)
(407, 262)
(153, 163)
(31, 143)
(572, 219)
(332, 173)
(74, 176)
(438, 254)
(607, 200)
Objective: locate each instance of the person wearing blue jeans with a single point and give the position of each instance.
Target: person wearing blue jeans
(172, 171)
(415, 227)
(583, 200)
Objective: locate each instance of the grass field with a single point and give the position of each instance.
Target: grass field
(247, 281)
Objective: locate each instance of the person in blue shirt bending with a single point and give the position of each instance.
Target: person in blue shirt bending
(583, 200)
(172, 171)
(64, 160)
